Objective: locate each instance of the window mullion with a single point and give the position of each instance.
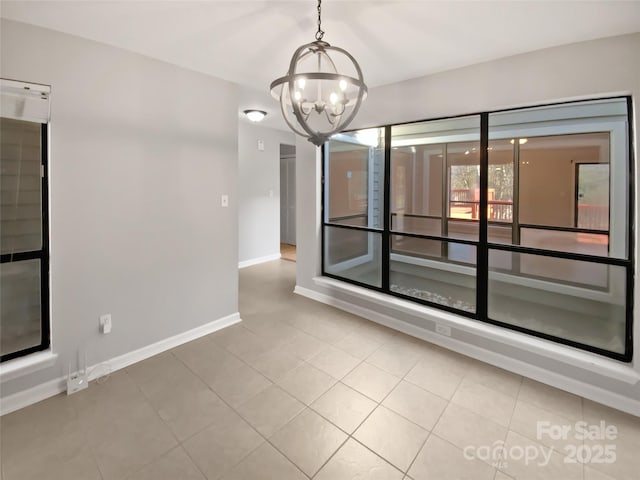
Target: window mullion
(482, 259)
(446, 198)
(386, 236)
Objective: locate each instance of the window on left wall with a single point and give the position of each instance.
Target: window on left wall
(24, 226)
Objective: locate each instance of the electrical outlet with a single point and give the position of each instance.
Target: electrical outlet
(105, 323)
(443, 330)
(76, 382)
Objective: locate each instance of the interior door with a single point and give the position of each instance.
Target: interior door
(288, 199)
(592, 196)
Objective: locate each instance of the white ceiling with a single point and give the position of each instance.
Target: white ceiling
(251, 42)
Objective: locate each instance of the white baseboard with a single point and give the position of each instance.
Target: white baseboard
(256, 261)
(130, 358)
(519, 367)
(48, 389)
(313, 295)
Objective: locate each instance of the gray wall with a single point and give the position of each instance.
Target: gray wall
(597, 68)
(141, 152)
(259, 190)
(583, 70)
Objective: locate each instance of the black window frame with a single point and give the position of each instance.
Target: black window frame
(483, 245)
(43, 255)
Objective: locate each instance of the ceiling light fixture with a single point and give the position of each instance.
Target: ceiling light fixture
(255, 115)
(316, 99)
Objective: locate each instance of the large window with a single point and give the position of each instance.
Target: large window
(24, 271)
(519, 218)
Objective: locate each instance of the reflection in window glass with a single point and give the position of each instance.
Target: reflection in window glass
(434, 177)
(353, 254)
(573, 242)
(592, 313)
(463, 160)
(416, 189)
(20, 159)
(500, 234)
(592, 196)
(501, 181)
(548, 173)
(463, 230)
(562, 183)
(20, 313)
(355, 173)
(435, 271)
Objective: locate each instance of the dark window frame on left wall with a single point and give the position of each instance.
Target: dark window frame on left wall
(42, 255)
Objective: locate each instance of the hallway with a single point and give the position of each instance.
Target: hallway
(288, 252)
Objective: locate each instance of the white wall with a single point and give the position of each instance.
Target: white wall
(585, 70)
(259, 191)
(141, 152)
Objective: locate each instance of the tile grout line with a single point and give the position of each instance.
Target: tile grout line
(378, 404)
(332, 455)
(387, 341)
(508, 428)
(536, 440)
(430, 431)
(156, 413)
(267, 439)
(228, 405)
(275, 447)
(434, 423)
(309, 407)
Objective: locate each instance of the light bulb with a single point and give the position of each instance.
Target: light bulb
(301, 83)
(297, 95)
(343, 85)
(255, 115)
(333, 98)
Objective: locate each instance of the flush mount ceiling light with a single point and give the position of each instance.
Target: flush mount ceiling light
(255, 115)
(322, 91)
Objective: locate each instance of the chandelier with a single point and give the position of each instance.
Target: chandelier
(322, 91)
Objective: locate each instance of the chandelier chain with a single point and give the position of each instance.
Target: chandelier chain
(332, 97)
(319, 33)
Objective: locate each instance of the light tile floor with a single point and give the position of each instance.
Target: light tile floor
(300, 390)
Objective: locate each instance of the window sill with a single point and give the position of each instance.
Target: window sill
(584, 360)
(19, 367)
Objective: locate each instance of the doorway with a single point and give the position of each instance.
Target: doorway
(288, 202)
(592, 196)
